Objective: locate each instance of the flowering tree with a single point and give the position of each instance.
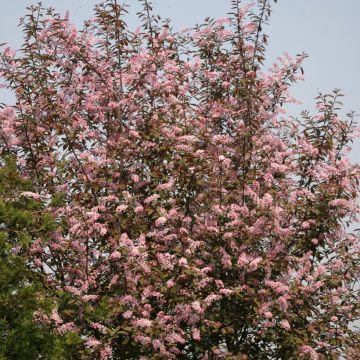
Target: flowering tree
(194, 218)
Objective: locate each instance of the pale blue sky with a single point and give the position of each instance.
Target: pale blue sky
(325, 29)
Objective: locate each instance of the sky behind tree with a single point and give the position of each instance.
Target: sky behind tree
(327, 30)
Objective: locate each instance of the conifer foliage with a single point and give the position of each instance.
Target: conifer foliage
(191, 216)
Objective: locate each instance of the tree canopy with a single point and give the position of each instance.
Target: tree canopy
(160, 203)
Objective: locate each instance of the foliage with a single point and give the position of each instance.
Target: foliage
(184, 214)
(21, 290)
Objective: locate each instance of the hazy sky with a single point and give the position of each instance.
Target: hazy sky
(327, 30)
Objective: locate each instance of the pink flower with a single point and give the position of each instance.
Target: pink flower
(182, 262)
(31, 195)
(315, 241)
(101, 228)
(92, 342)
(115, 255)
(9, 52)
(255, 263)
(121, 208)
(223, 21)
(105, 353)
(87, 298)
(226, 291)
(308, 350)
(143, 323)
(160, 221)
(268, 314)
(282, 301)
(41, 318)
(145, 340)
(127, 314)
(196, 334)
(166, 186)
(56, 317)
(266, 200)
(67, 327)
(73, 290)
(99, 327)
(211, 298)
(243, 260)
(157, 344)
(285, 325)
(151, 198)
(38, 262)
(113, 280)
(175, 338)
(227, 162)
(197, 307)
(138, 209)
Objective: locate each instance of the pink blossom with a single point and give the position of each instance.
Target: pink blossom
(135, 178)
(308, 350)
(196, 334)
(197, 307)
(268, 314)
(282, 301)
(151, 198)
(32, 195)
(87, 298)
(143, 323)
(115, 255)
(121, 208)
(73, 290)
(167, 185)
(182, 262)
(67, 327)
(101, 328)
(175, 338)
(160, 221)
(138, 209)
(285, 325)
(255, 263)
(56, 317)
(92, 342)
(127, 314)
(105, 353)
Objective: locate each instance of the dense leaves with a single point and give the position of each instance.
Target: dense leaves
(22, 291)
(177, 211)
